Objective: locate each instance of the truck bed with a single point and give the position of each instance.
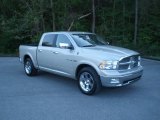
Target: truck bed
(31, 50)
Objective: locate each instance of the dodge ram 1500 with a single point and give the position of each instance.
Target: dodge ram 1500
(83, 57)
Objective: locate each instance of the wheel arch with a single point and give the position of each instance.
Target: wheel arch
(83, 65)
(25, 57)
(29, 56)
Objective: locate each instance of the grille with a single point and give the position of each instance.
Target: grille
(129, 62)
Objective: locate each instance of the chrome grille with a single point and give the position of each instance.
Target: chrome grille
(129, 62)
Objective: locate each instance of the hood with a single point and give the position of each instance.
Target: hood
(109, 52)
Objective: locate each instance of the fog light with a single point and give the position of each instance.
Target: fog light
(114, 80)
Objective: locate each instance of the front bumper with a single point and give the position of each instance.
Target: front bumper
(115, 78)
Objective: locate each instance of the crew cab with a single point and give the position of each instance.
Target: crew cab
(83, 57)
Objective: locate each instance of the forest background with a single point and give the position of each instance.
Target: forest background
(133, 24)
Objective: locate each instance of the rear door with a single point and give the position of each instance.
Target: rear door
(45, 55)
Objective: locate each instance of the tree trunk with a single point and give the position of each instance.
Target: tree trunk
(71, 25)
(124, 11)
(53, 15)
(42, 15)
(81, 17)
(93, 16)
(43, 23)
(113, 16)
(136, 22)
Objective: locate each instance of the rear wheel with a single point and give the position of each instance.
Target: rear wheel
(29, 68)
(89, 81)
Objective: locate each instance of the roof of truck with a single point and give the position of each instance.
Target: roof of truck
(71, 32)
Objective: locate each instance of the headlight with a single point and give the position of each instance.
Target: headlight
(108, 65)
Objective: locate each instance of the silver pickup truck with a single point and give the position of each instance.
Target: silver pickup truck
(83, 57)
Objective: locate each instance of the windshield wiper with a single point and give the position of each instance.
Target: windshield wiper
(88, 45)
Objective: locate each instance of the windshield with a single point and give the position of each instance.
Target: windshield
(86, 40)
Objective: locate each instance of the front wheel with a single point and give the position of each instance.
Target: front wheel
(89, 81)
(29, 68)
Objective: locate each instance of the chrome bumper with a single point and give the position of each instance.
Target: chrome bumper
(117, 78)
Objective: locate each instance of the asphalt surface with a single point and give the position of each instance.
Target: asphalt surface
(51, 97)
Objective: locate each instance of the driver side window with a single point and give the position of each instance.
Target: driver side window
(62, 39)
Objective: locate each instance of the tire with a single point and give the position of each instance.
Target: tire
(89, 81)
(29, 68)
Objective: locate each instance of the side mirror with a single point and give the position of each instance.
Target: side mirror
(107, 43)
(65, 46)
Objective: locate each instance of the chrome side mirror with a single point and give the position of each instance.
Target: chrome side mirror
(65, 46)
(107, 43)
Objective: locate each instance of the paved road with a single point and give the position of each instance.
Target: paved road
(51, 97)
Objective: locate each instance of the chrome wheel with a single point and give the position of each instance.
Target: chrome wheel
(28, 67)
(86, 81)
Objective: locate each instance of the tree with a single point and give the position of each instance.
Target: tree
(53, 15)
(136, 22)
(93, 16)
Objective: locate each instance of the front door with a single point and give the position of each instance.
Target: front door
(65, 59)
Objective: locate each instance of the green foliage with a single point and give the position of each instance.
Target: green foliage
(24, 21)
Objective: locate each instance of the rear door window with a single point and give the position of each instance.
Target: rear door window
(49, 40)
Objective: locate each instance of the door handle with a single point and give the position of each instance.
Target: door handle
(40, 50)
(55, 52)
